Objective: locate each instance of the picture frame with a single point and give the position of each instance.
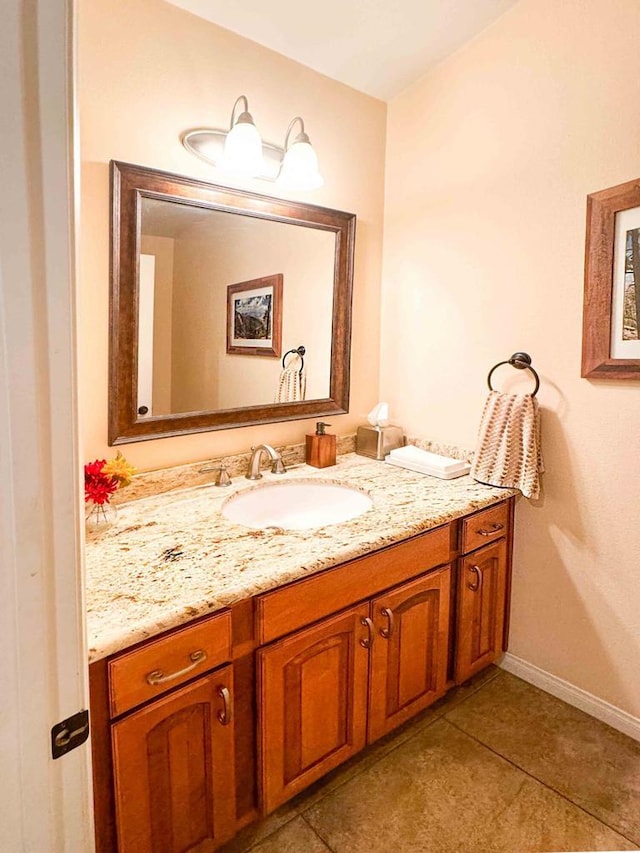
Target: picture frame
(611, 313)
(254, 317)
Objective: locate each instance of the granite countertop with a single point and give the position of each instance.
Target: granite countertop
(174, 557)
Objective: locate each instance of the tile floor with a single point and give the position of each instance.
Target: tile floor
(496, 766)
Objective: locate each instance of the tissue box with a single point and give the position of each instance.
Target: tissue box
(377, 441)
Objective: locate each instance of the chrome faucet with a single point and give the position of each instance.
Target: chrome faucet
(254, 463)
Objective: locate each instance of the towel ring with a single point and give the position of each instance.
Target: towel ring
(521, 361)
(300, 351)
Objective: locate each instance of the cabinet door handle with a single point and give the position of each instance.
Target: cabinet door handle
(226, 715)
(158, 676)
(367, 641)
(387, 632)
(474, 587)
(495, 528)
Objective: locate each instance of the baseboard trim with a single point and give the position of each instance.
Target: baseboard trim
(572, 695)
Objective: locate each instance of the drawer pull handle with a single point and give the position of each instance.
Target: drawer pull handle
(387, 632)
(158, 676)
(495, 528)
(368, 640)
(474, 587)
(226, 715)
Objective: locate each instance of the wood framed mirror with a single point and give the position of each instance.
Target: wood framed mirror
(194, 265)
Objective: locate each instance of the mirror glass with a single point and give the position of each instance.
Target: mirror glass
(189, 258)
(228, 308)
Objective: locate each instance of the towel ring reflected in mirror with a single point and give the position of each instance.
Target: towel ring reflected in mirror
(521, 361)
(299, 351)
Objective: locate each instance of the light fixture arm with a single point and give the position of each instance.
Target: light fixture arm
(301, 137)
(245, 116)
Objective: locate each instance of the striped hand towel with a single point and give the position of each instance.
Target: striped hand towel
(292, 382)
(508, 452)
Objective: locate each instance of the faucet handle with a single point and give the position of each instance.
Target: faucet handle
(223, 478)
(278, 466)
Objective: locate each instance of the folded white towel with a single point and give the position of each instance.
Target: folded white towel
(292, 382)
(425, 462)
(509, 451)
(425, 458)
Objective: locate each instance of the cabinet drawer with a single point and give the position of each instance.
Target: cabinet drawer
(484, 527)
(162, 664)
(304, 602)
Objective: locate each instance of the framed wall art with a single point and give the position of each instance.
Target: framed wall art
(254, 317)
(611, 315)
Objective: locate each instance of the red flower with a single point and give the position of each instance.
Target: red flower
(98, 487)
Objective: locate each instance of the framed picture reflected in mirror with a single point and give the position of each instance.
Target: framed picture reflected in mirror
(254, 317)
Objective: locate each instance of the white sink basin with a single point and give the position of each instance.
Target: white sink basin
(296, 505)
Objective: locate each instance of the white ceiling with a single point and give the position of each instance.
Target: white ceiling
(376, 46)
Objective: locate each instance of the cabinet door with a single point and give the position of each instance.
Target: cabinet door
(312, 689)
(409, 654)
(174, 770)
(481, 609)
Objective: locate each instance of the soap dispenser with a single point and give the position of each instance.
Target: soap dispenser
(321, 447)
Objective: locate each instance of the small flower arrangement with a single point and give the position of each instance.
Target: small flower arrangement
(102, 478)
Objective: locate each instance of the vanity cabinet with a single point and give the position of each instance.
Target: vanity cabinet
(321, 667)
(326, 691)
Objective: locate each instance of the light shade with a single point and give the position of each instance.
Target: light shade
(243, 146)
(299, 170)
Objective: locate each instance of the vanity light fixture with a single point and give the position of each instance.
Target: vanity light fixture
(239, 151)
(242, 145)
(299, 169)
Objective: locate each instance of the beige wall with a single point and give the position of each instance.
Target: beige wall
(149, 71)
(490, 158)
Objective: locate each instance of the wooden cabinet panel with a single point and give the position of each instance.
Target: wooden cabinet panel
(174, 771)
(312, 700)
(409, 655)
(482, 583)
(246, 749)
(160, 665)
(484, 527)
(104, 813)
(286, 610)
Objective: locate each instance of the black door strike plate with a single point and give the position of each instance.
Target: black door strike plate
(70, 733)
